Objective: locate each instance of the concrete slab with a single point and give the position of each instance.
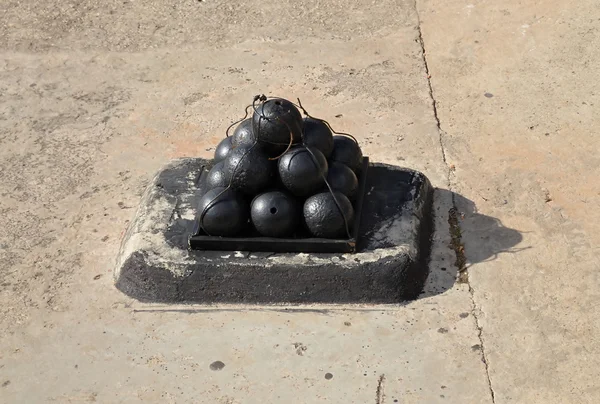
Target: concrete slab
(95, 98)
(150, 353)
(515, 85)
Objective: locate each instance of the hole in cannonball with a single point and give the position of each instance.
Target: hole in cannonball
(277, 102)
(273, 210)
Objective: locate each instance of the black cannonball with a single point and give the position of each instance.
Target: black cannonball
(341, 178)
(216, 176)
(275, 214)
(249, 169)
(302, 170)
(346, 151)
(243, 135)
(225, 216)
(324, 218)
(223, 148)
(274, 121)
(317, 134)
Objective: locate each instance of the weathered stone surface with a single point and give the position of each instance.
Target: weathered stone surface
(155, 263)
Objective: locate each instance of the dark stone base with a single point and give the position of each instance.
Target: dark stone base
(390, 266)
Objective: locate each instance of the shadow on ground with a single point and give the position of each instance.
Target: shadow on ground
(487, 239)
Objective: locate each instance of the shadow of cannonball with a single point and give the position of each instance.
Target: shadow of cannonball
(484, 237)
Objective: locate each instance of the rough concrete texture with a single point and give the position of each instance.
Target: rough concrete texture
(390, 265)
(517, 94)
(95, 96)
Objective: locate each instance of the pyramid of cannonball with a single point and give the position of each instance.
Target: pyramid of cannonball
(281, 175)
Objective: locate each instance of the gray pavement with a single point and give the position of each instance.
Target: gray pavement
(494, 102)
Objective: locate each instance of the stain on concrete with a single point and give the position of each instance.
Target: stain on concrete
(217, 365)
(457, 245)
(193, 98)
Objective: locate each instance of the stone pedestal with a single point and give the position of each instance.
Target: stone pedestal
(155, 264)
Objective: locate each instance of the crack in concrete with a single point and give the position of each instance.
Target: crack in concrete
(455, 229)
(379, 394)
(484, 359)
(430, 86)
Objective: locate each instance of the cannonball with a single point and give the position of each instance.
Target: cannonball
(302, 170)
(216, 176)
(341, 178)
(274, 121)
(317, 134)
(243, 135)
(324, 218)
(249, 169)
(346, 151)
(275, 214)
(227, 215)
(223, 148)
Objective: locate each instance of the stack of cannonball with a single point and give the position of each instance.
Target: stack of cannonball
(281, 175)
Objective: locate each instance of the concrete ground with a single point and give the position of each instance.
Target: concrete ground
(495, 101)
